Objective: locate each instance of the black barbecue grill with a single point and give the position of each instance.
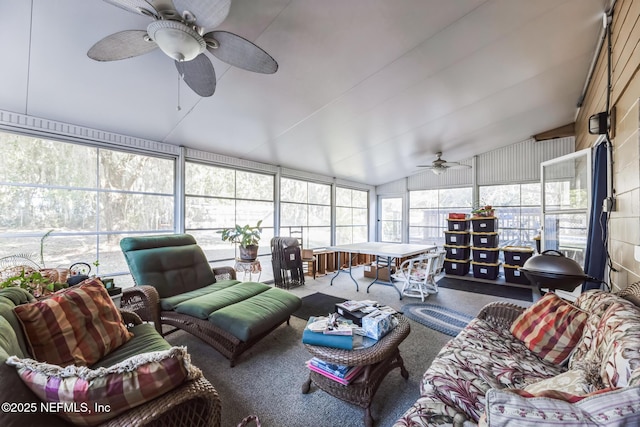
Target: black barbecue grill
(553, 270)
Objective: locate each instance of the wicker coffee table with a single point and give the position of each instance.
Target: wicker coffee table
(378, 361)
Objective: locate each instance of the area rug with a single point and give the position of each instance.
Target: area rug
(317, 304)
(436, 317)
(498, 290)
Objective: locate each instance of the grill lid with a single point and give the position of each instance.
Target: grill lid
(552, 262)
(551, 269)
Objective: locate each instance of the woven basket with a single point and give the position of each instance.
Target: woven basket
(57, 275)
(14, 271)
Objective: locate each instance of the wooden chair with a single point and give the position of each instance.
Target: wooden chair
(309, 261)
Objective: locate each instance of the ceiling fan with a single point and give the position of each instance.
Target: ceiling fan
(440, 166)
(182, 30)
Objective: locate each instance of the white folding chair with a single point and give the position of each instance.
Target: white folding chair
(418, 275)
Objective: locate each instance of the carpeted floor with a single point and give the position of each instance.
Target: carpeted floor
(499, 290)
(317, 304)
(267, 380)
(442, 319)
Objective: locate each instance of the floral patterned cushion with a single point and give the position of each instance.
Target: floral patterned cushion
(634, 379)
(574, 381)
(618, 343)
(478, 359)
(485, 367)
(596, 304)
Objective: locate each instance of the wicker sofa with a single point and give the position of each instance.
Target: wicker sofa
(487, 376)
(176, 286)
(194, 402)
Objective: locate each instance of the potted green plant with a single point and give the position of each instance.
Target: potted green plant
(247, 238)
(32, 281)
(483, 211)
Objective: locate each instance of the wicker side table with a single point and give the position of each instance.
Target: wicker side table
(378, 360)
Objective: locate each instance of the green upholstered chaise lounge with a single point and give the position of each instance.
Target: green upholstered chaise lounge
(175, 285)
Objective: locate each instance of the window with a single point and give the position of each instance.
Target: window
(305, 211)
(566, 201)
(88, 197)
(351, 216)
(390, 213)
(518, 211)
(428, 211)
(217, 198)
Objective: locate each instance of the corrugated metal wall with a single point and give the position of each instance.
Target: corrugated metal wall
(518, 162)
(449, 179)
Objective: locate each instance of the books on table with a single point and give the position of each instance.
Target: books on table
(357, 310)
(313, 334)
(339, 373)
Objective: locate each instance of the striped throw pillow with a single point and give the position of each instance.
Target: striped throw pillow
(609, 407)
(551, 328)
(88, 397)
(76, 326)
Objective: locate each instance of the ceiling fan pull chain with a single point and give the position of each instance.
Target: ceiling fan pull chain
(178, 108)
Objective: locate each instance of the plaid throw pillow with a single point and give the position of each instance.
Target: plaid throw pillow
(88, 397)
(550, 328)
(76, 326)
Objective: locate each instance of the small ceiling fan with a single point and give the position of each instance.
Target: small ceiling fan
(182, 30)
(440, 166)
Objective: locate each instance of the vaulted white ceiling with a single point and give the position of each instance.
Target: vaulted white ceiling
(366, 89)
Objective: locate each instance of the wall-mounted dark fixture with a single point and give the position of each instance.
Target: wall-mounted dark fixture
(598, 124)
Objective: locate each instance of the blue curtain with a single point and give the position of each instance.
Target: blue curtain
(596, 251)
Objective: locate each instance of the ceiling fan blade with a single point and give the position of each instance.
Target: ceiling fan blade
(165, 9)
(139, 7)
(198, 74)
(450, 165)
(122, 45)
(209, 14)
(240, 52)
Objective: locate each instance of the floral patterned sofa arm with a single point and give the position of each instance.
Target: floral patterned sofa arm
(428, 411)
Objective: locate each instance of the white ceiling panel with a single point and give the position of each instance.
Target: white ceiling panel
(366, 89)
(15, 36)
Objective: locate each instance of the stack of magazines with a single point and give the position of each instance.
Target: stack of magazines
(345, 335)
(318, 332)
(341, 374)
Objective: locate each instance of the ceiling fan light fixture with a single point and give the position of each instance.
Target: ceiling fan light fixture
(439, 171)
(176, 39)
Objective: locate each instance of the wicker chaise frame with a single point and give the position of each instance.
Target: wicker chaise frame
(145, 301)
(194, 403)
